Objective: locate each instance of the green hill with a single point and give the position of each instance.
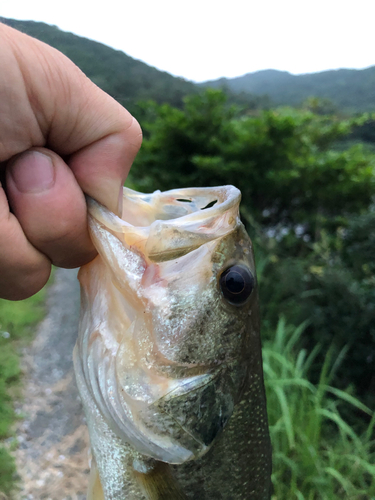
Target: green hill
(124, 78)
(129, 80)
(347, 89)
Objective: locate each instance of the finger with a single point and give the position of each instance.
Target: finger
(50, 206)
(101, 168)
(23, 269)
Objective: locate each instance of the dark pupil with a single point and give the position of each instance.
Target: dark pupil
(234, 282)
(237, 283)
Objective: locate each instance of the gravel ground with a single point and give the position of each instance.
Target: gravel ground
(53, 453)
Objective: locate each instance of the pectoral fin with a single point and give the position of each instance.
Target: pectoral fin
(158, 483)
(95, 490)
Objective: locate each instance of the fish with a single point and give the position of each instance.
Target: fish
(168, 359)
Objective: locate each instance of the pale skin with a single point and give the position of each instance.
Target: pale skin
(60, 137)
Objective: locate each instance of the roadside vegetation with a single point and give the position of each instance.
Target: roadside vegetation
(317, 454)
(17, 320)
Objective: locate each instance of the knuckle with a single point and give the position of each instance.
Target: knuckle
(132, 134)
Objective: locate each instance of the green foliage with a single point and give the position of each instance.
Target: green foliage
(9, 374)
(317, 455)
(359, 244)
(16, 321)
(333, 288)
(8, 471)
(281, 160)
(365, 132)
(17, 318)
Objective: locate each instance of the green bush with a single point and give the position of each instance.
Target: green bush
(282, 160)
(7, 471)
(333, 287)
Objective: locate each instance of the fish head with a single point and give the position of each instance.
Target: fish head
(170, 314)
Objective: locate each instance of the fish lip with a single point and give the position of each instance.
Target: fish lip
(162, 238)
(229, 196)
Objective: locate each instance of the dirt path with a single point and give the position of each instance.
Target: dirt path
(52, 458)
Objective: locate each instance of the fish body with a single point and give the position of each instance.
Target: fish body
(168, 359)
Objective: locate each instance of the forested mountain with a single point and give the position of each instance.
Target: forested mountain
(124, 78)
(348, 89)
(129, 80)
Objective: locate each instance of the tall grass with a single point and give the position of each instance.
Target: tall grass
(317, 455)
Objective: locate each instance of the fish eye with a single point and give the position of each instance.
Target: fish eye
(237, 283)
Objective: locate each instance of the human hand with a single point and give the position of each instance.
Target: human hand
(60, 137)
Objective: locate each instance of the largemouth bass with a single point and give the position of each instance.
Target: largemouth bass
(168, 360)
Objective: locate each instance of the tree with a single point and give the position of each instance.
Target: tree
(282, 160)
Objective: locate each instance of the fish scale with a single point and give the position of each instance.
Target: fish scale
(168, 359)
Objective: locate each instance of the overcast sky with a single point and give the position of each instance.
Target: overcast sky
(207, 39)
